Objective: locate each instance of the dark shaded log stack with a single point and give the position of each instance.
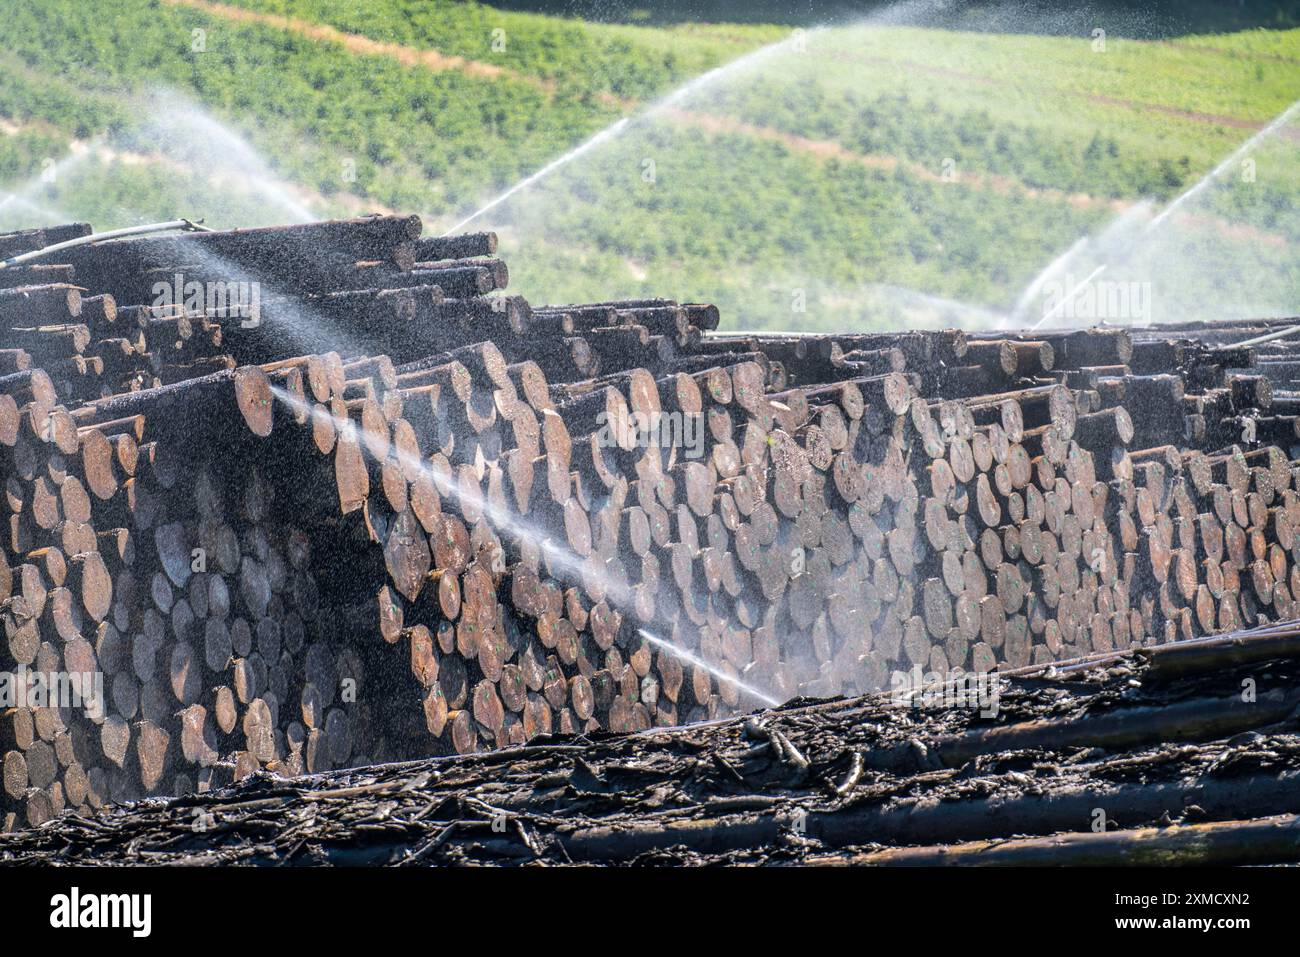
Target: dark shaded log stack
(397, 513)
(1143, 757)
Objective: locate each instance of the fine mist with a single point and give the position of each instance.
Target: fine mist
(1224, 248)
(176, 160)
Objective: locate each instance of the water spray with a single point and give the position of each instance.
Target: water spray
(1231, 160)
(613, 130)
(608, 133)
(505, 521)
(179, 134)
(699, 662)
(511, 523)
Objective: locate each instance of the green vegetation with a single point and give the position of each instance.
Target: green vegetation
(805, 190)
(580, 58)
(771, 222)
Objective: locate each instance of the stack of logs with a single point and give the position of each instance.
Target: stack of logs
(377, 510)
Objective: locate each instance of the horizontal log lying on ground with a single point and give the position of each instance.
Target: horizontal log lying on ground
(1269, 840)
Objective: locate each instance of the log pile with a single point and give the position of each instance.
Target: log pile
(1149, 757)
(388, 511)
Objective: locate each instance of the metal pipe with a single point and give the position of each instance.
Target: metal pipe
(1268, 337)
(185, 224)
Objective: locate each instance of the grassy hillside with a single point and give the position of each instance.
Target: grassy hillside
(857, 175)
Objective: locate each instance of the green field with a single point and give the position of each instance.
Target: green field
(856, 176)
